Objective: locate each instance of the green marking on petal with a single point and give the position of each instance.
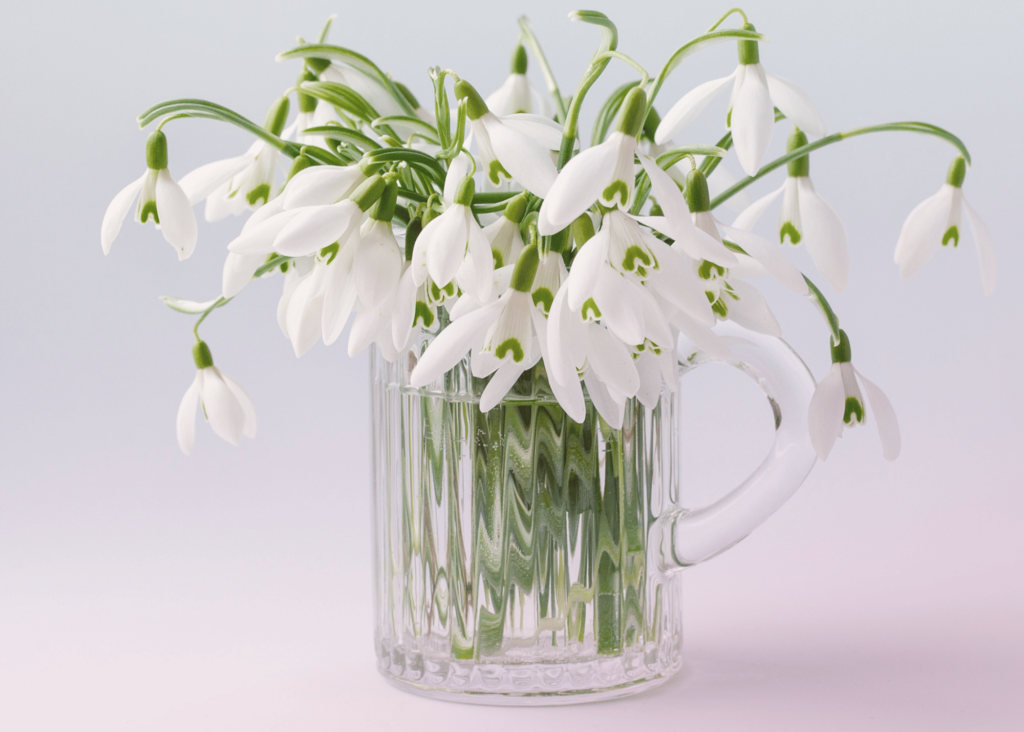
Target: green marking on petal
(257, 193)
(424, 315)
(709, 270)
(590, 307)
(951, 233)
(495, 171)
(510, 345)
(719, 307)
(634, 253)
(791, 231)
(616, 188)
(329, 252)
(854, 411)
(499, 261)
(543, 296)
(149, 209)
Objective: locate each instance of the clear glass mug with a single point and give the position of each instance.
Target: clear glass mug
(521, 558)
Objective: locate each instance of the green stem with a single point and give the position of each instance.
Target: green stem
(610, 39)
(644, 76)
(549, 76)
(920, 127)
(200, 108)
(692, 47)
(727, 14)
(222, 301)
(815, 296)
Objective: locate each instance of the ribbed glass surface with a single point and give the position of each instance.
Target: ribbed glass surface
(511, 547)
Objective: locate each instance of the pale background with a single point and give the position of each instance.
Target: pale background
(142, 590)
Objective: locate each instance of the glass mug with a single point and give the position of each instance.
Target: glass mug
(522, 558)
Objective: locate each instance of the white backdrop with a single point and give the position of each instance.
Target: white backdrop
(142, 590)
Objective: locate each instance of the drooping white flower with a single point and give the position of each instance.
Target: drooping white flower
(936, 222)
(452, 240)
(300, 310)
(751, 116)
(247, 181)
(225, 404)
(603, 173)
(516, 94)
(516, 147)
(838, 402)
(504, 235)
(805, 218)
(240, 268)
(160, 198)
(322, 185)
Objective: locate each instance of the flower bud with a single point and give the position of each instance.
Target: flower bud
(632, 113)
(519, 61)
(841, 352)
(156, 151)
(800, 167)
(697, 196)
(526, 269)
(749, 52)
(957, 171)
(201, 355)
(476, 107)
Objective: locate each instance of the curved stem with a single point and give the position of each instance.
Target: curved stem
(202, 109)
(222, 301)
(610, 39)
(727, 14)
(644, 76)
(922, 128)
(815, 296)
(549, 76)
(695, 45)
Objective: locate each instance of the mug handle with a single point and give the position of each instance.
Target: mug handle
(690, 536)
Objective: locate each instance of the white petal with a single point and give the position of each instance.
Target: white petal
(339, 295)
(305, 312)
(611, 409)
(448, 244)
(259, 239)
(544, 131)
(482, 261)
(611, 361)
(317, 227)
(263, 213)
(527, 162)
(796, 105)
(620, 306)
(453, 343)
(753, 118)
(565, 329)
(676, 282)
(177, 219)
(291, 281)
(366, 326)
(885, 418)
(824, 235)
(246, 403)
(749, 217)
(502, 380)
(205, 179)
(503, 100)
(825, 413)
(923, 230)
(226, 416)
(650, 380)
(116, 211)
(589, 261)
(378, 265)
(751, 310)
(770, 256)
(187, 415)
(404, 313)
(238, 272)
(567, 391)
(656, 328)
(986, 250)
(687, 108)
(458, 169)
(577, 186)
(321, 185)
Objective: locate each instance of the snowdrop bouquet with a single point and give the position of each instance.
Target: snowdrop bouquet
(488, 226)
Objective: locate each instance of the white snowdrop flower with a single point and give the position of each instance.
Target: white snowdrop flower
(516, 147)
(604, 173)
(239, 268)
(504, 235)
(507, 333)
(225, 404)
(377, 264)
(246, 181)
(159, 199)
(761, 257)
(751, 118)
(451, 239)
(805, 218)
(300, 310)
(577, 346)
(322, 185)
(516, 94)
(736, 300)
(936, 222)
(838, 402)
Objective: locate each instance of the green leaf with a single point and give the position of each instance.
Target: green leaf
(670, 157)
(355, 60)
(415, 158)
(343, 97)
(189, 307)
(202, 109)
(425, 128)
(344, 134)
